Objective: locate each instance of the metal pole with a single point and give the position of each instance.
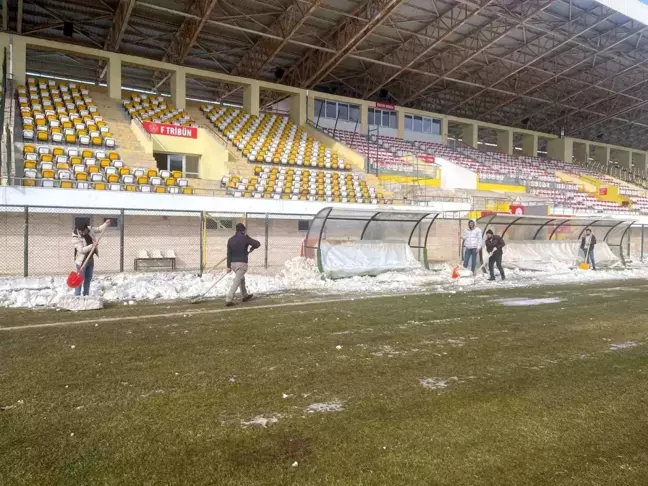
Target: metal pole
(202, 245)
(26, 244)
(267, 235)
(121, 241)
(642, 243)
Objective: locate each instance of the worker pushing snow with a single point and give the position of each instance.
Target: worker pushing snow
(588, 242)
(238, 248)
(472, 238)
(84, 239)
(495, 248)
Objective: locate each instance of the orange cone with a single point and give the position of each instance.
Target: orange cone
(455, 272)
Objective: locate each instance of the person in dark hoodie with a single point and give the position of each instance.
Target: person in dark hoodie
(495, 248)
(238, 248)
(587, 246)
(84, 238)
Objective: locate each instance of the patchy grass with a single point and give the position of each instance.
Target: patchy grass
(440, 389)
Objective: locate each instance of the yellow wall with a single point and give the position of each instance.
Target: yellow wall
(612, 191)
(581, 182)
(213, 156)
(410, 180)
(488, 186)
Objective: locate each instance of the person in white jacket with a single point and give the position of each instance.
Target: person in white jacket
(473, 240)
(84, 238)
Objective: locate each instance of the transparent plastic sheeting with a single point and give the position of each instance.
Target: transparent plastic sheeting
(554, 255)
(360, 258)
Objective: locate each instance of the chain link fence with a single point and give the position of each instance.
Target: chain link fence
(37, 241)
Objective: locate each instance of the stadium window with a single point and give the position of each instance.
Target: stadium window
(408, 122)
(370, 121)
(427, 125)
(303, 225)
(319, 109)
(187, 164)
(393, 119)
(331, 109)
(219, 224)
(383, 118)
(82, 220)
(418, 124)
(343, 111)
(354, 113)
(436, 126)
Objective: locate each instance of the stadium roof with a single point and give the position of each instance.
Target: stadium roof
(538, 64)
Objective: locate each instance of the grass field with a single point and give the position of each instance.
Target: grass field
(440, 389)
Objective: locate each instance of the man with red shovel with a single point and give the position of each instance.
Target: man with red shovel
(85, 239)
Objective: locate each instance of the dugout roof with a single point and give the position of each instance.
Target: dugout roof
(539, 64)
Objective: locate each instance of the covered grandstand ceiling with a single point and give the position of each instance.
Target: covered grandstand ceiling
(537, 64)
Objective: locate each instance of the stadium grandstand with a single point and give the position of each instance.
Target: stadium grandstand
(535, 104)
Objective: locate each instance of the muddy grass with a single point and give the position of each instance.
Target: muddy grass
(442, 389)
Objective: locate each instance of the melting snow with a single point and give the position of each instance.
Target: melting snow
(335, 406)
(523, 302)
(298, 275)
(626, 345)
(261, 421)
(436, 383)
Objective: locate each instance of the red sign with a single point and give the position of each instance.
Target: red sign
(170, 130)
(517, 210)
(428, 159)
(603, 191)
(385, 106)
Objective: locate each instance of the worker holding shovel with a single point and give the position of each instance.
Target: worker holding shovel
(85, 239)
(588, 242)
(239, 247)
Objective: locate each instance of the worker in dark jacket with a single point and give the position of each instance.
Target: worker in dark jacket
(238, 248)
(495, 248)
(588, 242)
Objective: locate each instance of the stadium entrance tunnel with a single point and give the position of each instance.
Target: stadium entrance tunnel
(549, 236)
(349, 243)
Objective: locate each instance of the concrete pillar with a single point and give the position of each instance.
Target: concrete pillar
(114, 78)
(505, 142)
(469, 135)
(530, 144)
(310, 108)
(639, 161)
(444, 131)
(251, 95)
(298, 108)
(561, 149)
(364, 118)
(581, 152)
(179, 89)
(601, 154)
(18, 51)
(400, 122)
(623, 158)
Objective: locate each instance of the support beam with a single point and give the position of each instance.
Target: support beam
(188, 33)
(310, 110)
(316, 64)
(505, 142)
(114, 78)
(251, 93)
(179, 89)
(364, 118)
(19, 17)
(266, 48)
(117, 30)
(530, 144)
(5, 15)
(561, 149)
(444, 131)
(400, 122)
(298, 108)
(19, 59)
(470, 134)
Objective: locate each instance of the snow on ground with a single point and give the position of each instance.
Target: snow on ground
(525, 302)
(298, 275)
(334, 406)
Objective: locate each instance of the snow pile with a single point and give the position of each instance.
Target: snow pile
(433, 383)
(298, 275)
(261, 421)
(525, 302)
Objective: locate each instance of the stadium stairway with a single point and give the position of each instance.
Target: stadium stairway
(130, 149)
(236, 163)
